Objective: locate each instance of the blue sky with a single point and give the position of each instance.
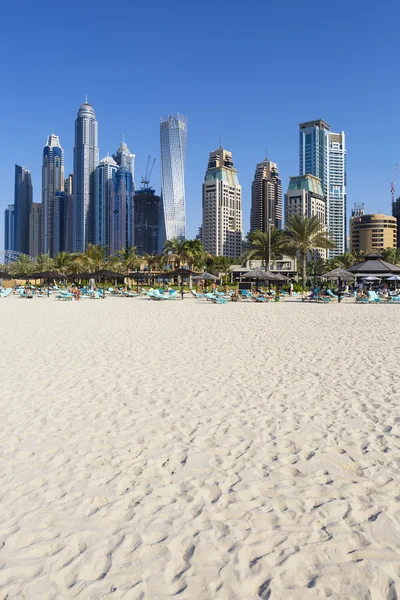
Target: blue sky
(247, 71)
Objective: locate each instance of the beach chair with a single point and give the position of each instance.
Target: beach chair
(331, 295)
(219, 300)
(259, 298)
(5, 293)
(373, 296)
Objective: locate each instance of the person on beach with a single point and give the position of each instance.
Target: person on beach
(291, 288)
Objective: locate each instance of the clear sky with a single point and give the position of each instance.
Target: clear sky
(247, 71)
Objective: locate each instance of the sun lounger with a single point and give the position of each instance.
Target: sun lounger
(5, 293)
(331, 294)
(219, 300)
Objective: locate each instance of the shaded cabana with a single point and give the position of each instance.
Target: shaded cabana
(339, 275)
(260, 275)
(373, 264)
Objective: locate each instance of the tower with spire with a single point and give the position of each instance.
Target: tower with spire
(86, 158)
(52, 182)
(266, 197)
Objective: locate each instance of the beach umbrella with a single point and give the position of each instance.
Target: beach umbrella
(259, 274)
(340, 275)
(139, 277)
(205, 277)
(391, 278)
(181, 272)
(370, 278)
(47, 276)
(6, 276)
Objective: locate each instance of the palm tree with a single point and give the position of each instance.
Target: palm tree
(174, 251)
(44, 262)
(303, 235)
(223, 263)
(193, 251)
(22, 266)
(62, 262)
(94, 257)
(262, 243)
(316, 267)
(128, 259)
(391, 255)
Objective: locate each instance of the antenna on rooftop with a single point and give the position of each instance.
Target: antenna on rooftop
(86, 99)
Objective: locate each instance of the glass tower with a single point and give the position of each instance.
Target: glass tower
(103, 178)
(121, 210)
(323, 154)
(9, 227)
(86, 158)
(22, 206)
(52, 182)
(173, 133)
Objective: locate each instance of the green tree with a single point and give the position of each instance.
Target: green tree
(127, 259)
(316, 267)
(302, 236)
(193, 252)
(391, 255)
(44, 262)
(264, 242)
(24, 265)
(223, 263)
(94, 258)
(174, 252)
(63, 262)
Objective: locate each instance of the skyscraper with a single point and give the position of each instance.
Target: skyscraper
(266, 197)
(35, 229)
(124, 158)
(173, 133)
(9, 227)
(222, 206)
(323, 154)
(396, 214)
(86, 158)
(305, 197)
(22, 207)
(103, 177)
(63, 222)
(121, 210)
(52, 182)
(146, 217)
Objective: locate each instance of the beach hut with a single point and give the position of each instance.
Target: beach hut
(373, 264)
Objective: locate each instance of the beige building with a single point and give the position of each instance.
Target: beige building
(305, 197)
(222, 206)
(372, 233)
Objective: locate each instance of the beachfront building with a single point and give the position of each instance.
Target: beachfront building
(63, 222)
(305, 196)
(121, 210)
(35, 229)
(222, 206)
(86, 158)
(52, 182)
(373, 233)
(323, 154)
(173, 134)
(23, 193)
(103, 178)
(266, 197)
(146, 217)
(396, 215)
(9, 227)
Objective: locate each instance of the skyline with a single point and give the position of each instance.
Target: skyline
(249, 123)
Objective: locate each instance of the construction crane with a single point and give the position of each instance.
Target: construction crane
(146, 177)
(393, 186)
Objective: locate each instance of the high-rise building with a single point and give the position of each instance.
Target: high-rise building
(35, 229)
(266, 197)
(323, 154)
(173, 134)
(22, 207)
(121, 210)
(124, 158)
(305, 197)
(63, 222)
(69, 184)
(52, 182)
(86, 158)
(396, 214)
(103, 178)
(373, 233)
(146, 218)
(9, 228)
(222, 206)
(358, 209)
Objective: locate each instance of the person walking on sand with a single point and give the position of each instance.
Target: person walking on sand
(291, 288)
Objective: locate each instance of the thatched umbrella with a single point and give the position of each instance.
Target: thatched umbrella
(139, 277)
(47, 276)
(205, 276)
(181, 272)
(6, 276)
(340, 275)
(258, 274)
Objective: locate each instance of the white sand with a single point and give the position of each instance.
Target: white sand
(212, 452)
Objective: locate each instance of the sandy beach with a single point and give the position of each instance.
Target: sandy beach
(237, 452)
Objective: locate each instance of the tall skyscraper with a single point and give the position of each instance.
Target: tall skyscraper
(146, 217)
(305, 197)
(323, 154)
(121, 210)
(35, 229)
(396, 214)
(222, 206)
(266, 197)
(103, 177)
(86, 158)
(124, 158)
(22, 207)
(9, 228)
(52, 182)
(63, 222)
(173, 134)
(69, 184)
